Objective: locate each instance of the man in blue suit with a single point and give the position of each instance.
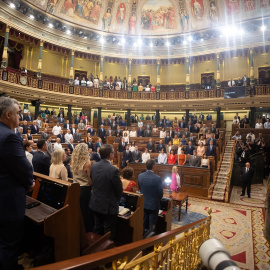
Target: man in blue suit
(140, 132)
(34, 128)
(168, 123)
(98, 144)
(211, 149)
(150, 186)
(102, 133)
(189, 148)
(91, 130)
(29, 117)
(16, 178)
(209, 117)
(61, 119)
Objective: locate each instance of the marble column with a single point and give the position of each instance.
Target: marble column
(251, 74)
(129, 74)
(69, 114)
(187, 77)
(218, 117)
(128, 117)
(218, 75)
(157, 116)
(158, 75)
(71, 73)
(99, 116)
(187, 116)
(5, 53)
(40, 59)
(252, 117)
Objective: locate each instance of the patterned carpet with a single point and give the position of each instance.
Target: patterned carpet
(238, 227)
(258, 194)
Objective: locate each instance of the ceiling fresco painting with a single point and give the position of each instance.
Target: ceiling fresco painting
(153, 17)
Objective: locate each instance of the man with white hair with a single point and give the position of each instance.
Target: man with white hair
(57, 144)
(16, 178)
(68, 136)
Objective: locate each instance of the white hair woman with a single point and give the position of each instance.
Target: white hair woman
(57, 168)
(81, 166)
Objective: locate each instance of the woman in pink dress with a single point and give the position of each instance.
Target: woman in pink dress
(175, 184)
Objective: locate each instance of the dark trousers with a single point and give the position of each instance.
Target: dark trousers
(105, 223)
(246, 185)
(87, 213)
(10, 238)
(149, 219)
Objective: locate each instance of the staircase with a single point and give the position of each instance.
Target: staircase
(220, 187)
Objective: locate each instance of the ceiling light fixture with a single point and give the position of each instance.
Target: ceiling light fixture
(168, 44)
(12, 5)
(151, 44)
(68, 32)
(32, 17)
(263, 28)
(50, 25)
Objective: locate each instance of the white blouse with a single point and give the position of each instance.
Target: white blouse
(145, 157)
(133, 134)
(29, 156)
(162, 134)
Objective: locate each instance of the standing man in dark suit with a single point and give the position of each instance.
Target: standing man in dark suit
(34, 128)
(21, 117)
(122, 146)
(160, 124)
(102, 133)
(77, 120)
(41, 162)
(73, 129)
(160, 146)
(127, 157)
(98, 144)
(150, 146)
(147, 132)
(61, 136)
(24, 126)
(77, 136)
(47, 111)
(16, 178)
(136, 155)
(118, 130)
(67, 125)
(61, 119)
(151, 187)
(209, 117)
(194, 160)
(29, 117)
(181, 124)
(201, 117)
(71, 146)
(106, 192)
(109, 132)
(140, 132)
(90, 144)
(91, 130)
(189, 148)
(248, 174)
(211, 149)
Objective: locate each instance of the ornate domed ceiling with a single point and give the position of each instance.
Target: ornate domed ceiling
(153, 17)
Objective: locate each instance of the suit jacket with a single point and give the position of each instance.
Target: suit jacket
(196, 129)
(209, 118)
(71, 147)
(123, 123)
(102, 123)
(81, 126)
(136, 155)
(213, 130)
(150, 146)
(246, 120)
(140, 133)
(201, 116)
(25, 127)
(106, 188)
(21, 117)
(67, 126)
(168, 123)
(16, 176)
(187, 134)
(150, 186)
(190, 128)
(247, 176)
(41, 163)
(195, 161)
(167, 139)
(114, 126)
(47, 111)
(159, 147)
(182, 125)
(147, 133)
(29, 118)
(77, 137)
(150, 127)
(97, 144)
(189, 150)
(91, 131)
(109, 132)
(20, 135)
(171, 132)
(34, 130)
(214, 141)
(62, 138)
(126, 156)
(72, 130)
(96, 157)
(102, 133)
(160, 124)
(121, 147)
(61, 120)
(77, 120)
(179, 134)
(90, 145)
(210, 152)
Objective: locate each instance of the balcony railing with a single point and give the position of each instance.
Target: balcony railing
(176, 249)
(14, 76)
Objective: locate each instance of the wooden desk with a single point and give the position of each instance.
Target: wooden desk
(179, 198)
(38, 213)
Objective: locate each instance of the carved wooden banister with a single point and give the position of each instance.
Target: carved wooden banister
(95, 260)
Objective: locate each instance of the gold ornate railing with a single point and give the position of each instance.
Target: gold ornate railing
(14, 76)
(176, 249)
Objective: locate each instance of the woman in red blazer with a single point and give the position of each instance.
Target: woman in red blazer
(172, 158)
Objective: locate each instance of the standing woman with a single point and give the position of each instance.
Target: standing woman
(96, 82)
(172, 158)
(175, 185)
(57, 168)
(81, 166)
(28, 149)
